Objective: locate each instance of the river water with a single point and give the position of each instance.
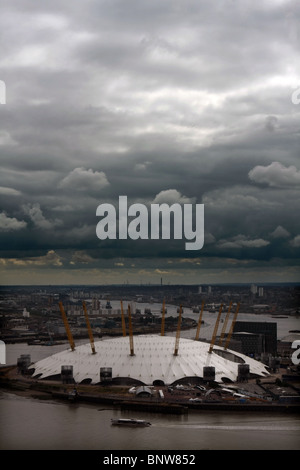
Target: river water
(32, 424)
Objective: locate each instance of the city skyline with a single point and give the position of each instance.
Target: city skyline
(162, 102)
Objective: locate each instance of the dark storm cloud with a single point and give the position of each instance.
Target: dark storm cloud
(136, 98)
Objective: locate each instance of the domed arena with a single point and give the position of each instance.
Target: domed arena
(151, 362)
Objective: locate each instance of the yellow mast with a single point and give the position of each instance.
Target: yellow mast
(162, 333)
(225, 325)
(67, 328)
(215, 330)
(199, 322)
(130, 332)
(89, 328)
(232, 326)
(178, 332)
(123, 320)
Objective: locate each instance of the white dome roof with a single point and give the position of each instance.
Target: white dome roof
(153, 360)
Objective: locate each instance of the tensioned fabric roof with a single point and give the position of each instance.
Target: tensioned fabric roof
(153, 360)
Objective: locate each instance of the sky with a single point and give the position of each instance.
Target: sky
(189, 102)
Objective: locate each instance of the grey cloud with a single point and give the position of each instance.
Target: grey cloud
(4, 191)
(280, 232)
(276, 174)
(8, 224)
(6, 140)
(271, 123)
(142, 98)
(241, 241)
(81, 257)
(171, 196)
(35, 213)
(295, 242)
(51, 258)
(81, 179)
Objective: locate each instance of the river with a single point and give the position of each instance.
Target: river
(32, 424)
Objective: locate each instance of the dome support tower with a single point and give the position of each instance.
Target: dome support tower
(123, 320)
(130, 332)
(68, 331)
(225, 325)
(89, 328)
(213, 339)
(232, 327)
(162, 332)
(178, 332)
(199, 322)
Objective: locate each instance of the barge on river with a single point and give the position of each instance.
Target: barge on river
(130, 422)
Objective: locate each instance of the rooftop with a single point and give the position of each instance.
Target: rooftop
(153, 360)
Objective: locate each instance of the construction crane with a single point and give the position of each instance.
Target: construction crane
(225, 325)
(67, 328)
(89, 328)
(178, 332)
(215, 330)
(232, 327)
(130, 332)
(123, 320)
(162, 333)
(199, 322)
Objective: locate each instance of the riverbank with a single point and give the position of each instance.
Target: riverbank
(175, 402)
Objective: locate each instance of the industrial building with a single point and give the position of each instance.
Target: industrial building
(251, 344)
(267, 343)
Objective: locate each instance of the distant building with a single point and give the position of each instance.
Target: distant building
(251, 343)
(267, 330)
(95, 304)
(261, 308)
(253, 289)
(26, 314)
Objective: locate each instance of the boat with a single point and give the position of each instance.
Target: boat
(73, 395)
(130, 422)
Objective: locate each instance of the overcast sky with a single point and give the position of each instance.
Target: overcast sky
(160, 100)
